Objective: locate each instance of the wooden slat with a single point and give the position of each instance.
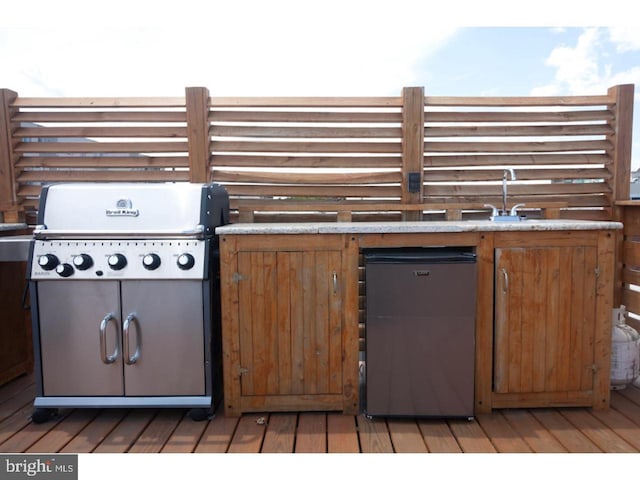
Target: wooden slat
(438, 437)
(359, 161)
(606, 440)
(288, 116)
(249, 434)
(305, 132)
(129, 175)
(571, 439)
(95, 102)
(457, 175)
(406, 436)
(324, 102)
(311, 435)
(101, 147)
(217, 436)
(307, 147)
(157, 432)
(64, 432)
(281, 433)
(342, 436)
(374, 437)
(97, 132)
(103, 161)
(517, 189)
(517, 131)
(31, 433)
(95, 433)
(569, 158)
(82, 116)
(185, 437)
(550, 101)
(529, 116)
(338, 178)
(511, 147)
(306, 191)
(502, 435)
(470, 437)
(532, 432)
(125, 434)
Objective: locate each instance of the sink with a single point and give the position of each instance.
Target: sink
(507, 218)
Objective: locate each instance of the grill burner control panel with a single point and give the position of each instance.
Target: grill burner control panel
(118, 259)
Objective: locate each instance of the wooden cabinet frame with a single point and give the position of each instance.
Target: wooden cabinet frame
(284, 350)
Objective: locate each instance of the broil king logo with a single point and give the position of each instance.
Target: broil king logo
(52, 467)
(124, 208)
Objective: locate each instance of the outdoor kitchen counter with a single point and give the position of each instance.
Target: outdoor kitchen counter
(413, 227)
(293, 315)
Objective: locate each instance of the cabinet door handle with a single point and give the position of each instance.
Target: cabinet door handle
(106, 358)
(128, 358)
(334, 276)
(505, 281)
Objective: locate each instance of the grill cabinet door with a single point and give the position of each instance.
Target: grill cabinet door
(166, 326)
(70, 316)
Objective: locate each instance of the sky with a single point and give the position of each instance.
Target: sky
(320, 48)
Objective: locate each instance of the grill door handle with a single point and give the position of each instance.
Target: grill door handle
(128, 358)
(106, 358)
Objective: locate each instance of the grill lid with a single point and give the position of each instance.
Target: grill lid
(117, 209)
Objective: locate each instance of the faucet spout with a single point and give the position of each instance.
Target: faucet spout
(505, 174)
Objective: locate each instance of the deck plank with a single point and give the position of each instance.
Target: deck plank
(170, 430)
(15, 423)
(101, 426)
(571, 439)
(217, 435)
(281, 433)
(30, 434)
(18, 401)
(470, 436)
(158, 431)
(607, 440)
(249, 434)
(533, 432)
(406, 436)
(374, 436)
(185, 437)
(342, 434)
(504, 438)
(64, 432)
(127, 432)
(438, 437)
(311, 436)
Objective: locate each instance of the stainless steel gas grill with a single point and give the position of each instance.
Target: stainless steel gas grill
(124, 283)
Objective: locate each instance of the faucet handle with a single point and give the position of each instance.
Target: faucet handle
(514, 209)
(494, 210)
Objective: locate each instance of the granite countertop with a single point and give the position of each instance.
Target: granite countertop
(413, 227)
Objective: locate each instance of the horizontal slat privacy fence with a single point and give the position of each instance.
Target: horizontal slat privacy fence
(325, 158)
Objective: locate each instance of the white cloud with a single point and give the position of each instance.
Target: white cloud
(233, 48)
(626, 39)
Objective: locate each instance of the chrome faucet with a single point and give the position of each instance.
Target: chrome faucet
(504, 187)
(504, 214)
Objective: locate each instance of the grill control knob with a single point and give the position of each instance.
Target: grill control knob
(48, 261)
(151, 261)
(82, 261)
(117, 261)
(186, 261)
(64, 270)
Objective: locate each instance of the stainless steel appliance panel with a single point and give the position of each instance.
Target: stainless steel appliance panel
(71, 315)
(420, 337)
(163, 323)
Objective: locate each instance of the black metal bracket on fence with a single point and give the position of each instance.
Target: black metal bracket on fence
(414, 182)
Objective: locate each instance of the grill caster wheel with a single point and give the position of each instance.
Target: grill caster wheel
(41, 415)
(200, 414)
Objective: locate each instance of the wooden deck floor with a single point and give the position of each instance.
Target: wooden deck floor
(147, 430)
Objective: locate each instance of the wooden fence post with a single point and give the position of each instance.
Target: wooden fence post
(197, 103)
(8, 201)
(412, 149)
(621, 171)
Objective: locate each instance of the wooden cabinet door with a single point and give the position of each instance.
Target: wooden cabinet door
(290, 325)
(545, 312)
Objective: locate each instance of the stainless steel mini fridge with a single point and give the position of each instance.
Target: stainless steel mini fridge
(420, 332)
